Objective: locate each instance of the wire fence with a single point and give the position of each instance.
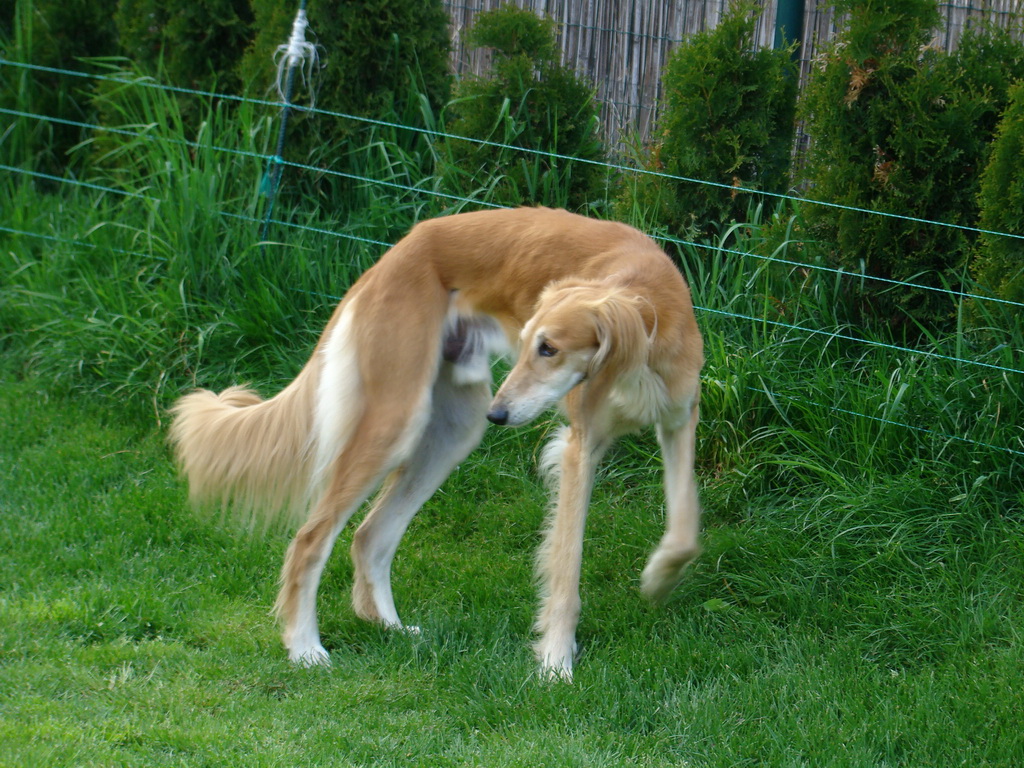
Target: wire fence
(152, 133)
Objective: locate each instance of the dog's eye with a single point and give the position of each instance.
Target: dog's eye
(546, 350)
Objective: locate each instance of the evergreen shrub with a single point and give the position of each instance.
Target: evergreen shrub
(728, 118)
(60, 34)
(527, 100)
(900, 127)
(6, 23)
(191, 43)
(999, 261)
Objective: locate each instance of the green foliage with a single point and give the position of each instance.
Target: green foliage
(7, 14)
(528, 100)
(886, 26)
(371, 51)
(727, 119)
(57, 34)
(902, 128)
(512, 31)
(999, 263)
(194, 43)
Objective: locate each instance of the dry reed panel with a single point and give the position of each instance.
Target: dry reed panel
(621, 46)
(957, 15)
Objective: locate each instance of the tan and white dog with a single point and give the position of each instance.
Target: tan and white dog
(398, 388)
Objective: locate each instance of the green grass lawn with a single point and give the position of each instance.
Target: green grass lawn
(855, 624)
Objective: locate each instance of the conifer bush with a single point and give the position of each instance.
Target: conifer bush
(999, 262)
(530, 100)
(900, 127)
(192, 43)
(60, 34)
(727, 119)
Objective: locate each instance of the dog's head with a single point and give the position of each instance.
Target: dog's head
(579, 332)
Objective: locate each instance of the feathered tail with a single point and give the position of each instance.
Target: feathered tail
(239, 450)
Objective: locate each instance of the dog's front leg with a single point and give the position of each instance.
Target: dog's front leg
(559, 559)
(679, 545)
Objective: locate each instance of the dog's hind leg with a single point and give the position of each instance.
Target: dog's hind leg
(679, 546)
(350, 485)
(363, 439)
(456, 425)
(377, 446)
(560, 556)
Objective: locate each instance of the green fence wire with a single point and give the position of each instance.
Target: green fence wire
(149, 83)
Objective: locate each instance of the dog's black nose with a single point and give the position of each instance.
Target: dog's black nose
(498, 416)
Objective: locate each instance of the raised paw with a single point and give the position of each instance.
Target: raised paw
(664, 572)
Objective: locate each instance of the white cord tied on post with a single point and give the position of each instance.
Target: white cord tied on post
(299, 55)
(296, 53)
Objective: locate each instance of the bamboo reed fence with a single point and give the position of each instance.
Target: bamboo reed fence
(621, 46)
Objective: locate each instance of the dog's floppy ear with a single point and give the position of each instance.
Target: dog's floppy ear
(622, 337)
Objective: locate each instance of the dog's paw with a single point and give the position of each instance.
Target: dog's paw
(556, 672)
(312, 656)
(556, 661)
(664, 572)
(402, 629)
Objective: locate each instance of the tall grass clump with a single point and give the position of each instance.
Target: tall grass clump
(796, 396)
(163, 279)
(187, 267)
